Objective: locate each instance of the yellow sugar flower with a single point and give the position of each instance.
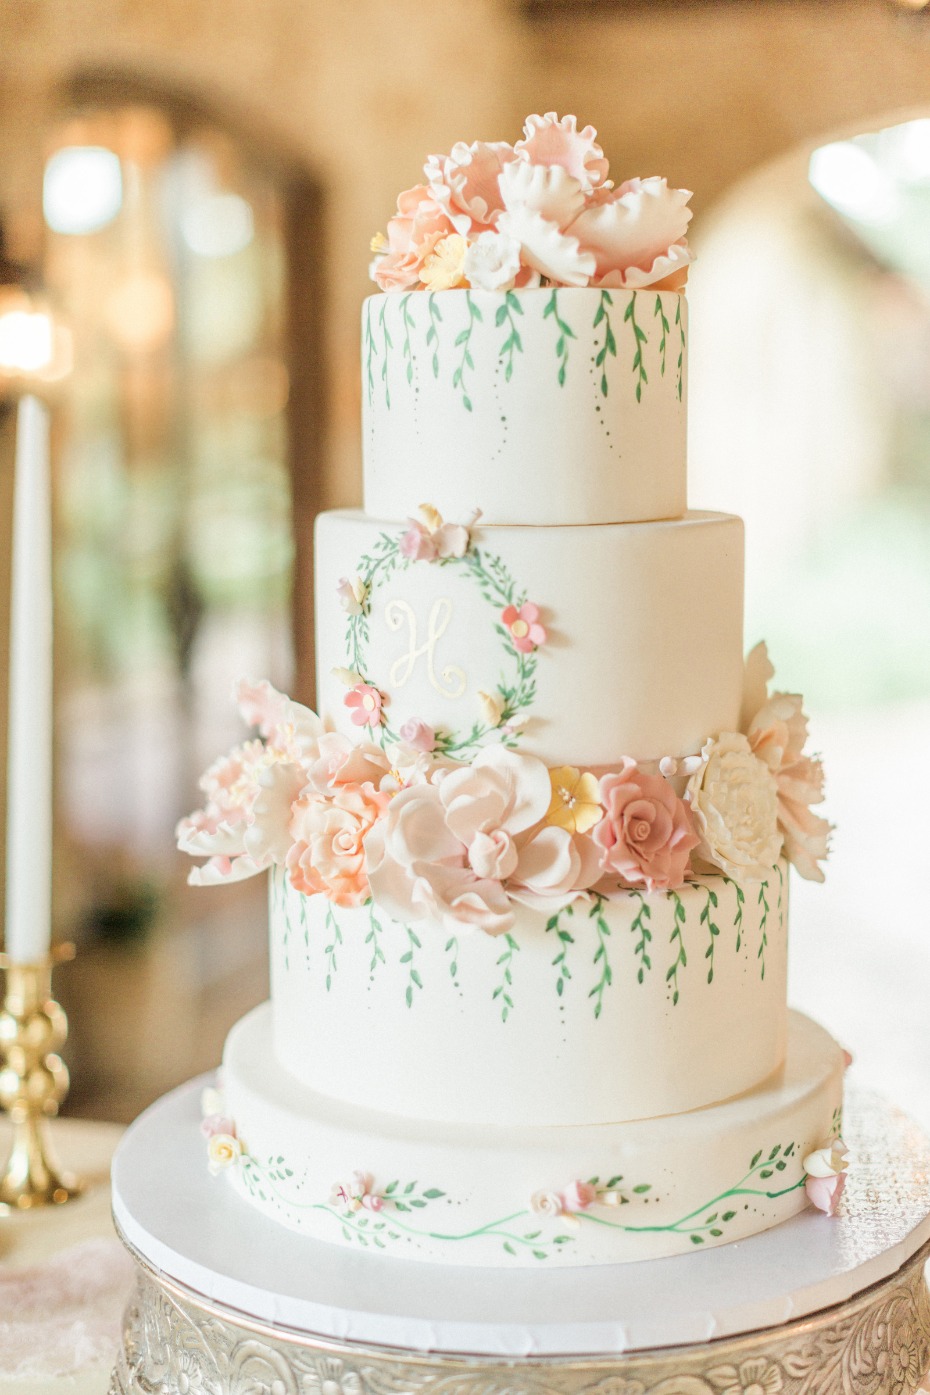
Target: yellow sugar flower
(575, 805)
(444, 268)
(378, 243)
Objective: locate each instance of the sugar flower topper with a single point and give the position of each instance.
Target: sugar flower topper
(542, 211)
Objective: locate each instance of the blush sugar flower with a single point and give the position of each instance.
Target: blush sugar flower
(526, 632)
(365, 704)
(825, 1177)
(646, 835)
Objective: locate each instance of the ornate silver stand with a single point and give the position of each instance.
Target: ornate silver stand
(226, 1304)
(175, 1343)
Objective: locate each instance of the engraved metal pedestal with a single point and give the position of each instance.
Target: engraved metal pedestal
(226, 1304)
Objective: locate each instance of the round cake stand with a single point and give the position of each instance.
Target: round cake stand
(227, 1303)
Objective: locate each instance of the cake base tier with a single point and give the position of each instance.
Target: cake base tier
(492, 1196)
(226, 1283)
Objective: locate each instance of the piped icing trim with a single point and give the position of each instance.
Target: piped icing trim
(540, 212)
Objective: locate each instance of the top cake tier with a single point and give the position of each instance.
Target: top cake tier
(557, 405)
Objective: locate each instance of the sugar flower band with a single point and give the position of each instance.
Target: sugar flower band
(541, 212)
(464, 842)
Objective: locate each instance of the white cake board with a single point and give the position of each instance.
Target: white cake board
(193, 1229)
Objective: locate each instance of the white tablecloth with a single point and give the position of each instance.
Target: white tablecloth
(64, 1277)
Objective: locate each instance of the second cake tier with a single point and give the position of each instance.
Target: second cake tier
(628, 1006)
(575, 644)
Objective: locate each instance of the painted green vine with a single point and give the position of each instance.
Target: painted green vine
(371, 352)
(640, 927)
(505, 964)
(565, 333)
(413, 976)
(373, 938)
(704, 1222)
(666, 331)
(388, 344)
(763, 935)
(677, 941)
(513, 343)
(712, 929)
(463, 340)
(408, 323)
(609, 345)
(606, 978)
(681, 351)
(565, 938)
(332, 926)
(432, 334)
(639, 339)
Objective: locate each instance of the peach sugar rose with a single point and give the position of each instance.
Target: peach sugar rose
(328, 853)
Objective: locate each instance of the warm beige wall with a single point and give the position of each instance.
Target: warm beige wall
(358, 91)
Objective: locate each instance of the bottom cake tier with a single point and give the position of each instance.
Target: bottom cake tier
(498, 1196)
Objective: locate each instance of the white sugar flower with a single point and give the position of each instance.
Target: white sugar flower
(543, 1203)
(492, 262)
(827, 1161)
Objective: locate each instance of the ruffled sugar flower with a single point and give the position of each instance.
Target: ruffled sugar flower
(328, 850)
(776, 727)
(444, 268)
(365, 704)
(356, 1193)
(646, 835)
(733, 799)
(825, 1175)
(526, 632)
(352, 593)
(636, 235)
(242, 828)
(575, 803)
(429, 537)
(223, 1151)
(549, 140)
(418, 225)
(466, 182)
(446, 850)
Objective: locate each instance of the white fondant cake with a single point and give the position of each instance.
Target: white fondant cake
(529, 863)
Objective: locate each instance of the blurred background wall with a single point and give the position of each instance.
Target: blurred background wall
(198, 184)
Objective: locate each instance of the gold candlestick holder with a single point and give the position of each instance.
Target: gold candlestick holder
(33, 1083)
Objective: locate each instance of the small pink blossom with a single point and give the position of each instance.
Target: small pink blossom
(417, 544)
(418, 735)
(356, 1193)
(525, 630)
(365, 704)
(646, 834)
(579, 1196)
(825, 1192)
(217, 1123)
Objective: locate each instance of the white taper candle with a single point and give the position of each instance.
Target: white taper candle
(29, 761)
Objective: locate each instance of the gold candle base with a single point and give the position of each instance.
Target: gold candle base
(33, 1082)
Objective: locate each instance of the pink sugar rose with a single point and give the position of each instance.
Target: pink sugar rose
(525, 630)
(646, 834)
(328, 853)
(579, 1196)
(365, 703)
(418, 735)
(825, 1192)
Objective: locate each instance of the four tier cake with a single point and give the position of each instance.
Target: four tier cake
(529, 864)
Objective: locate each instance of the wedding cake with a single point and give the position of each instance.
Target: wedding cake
(529, 864)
